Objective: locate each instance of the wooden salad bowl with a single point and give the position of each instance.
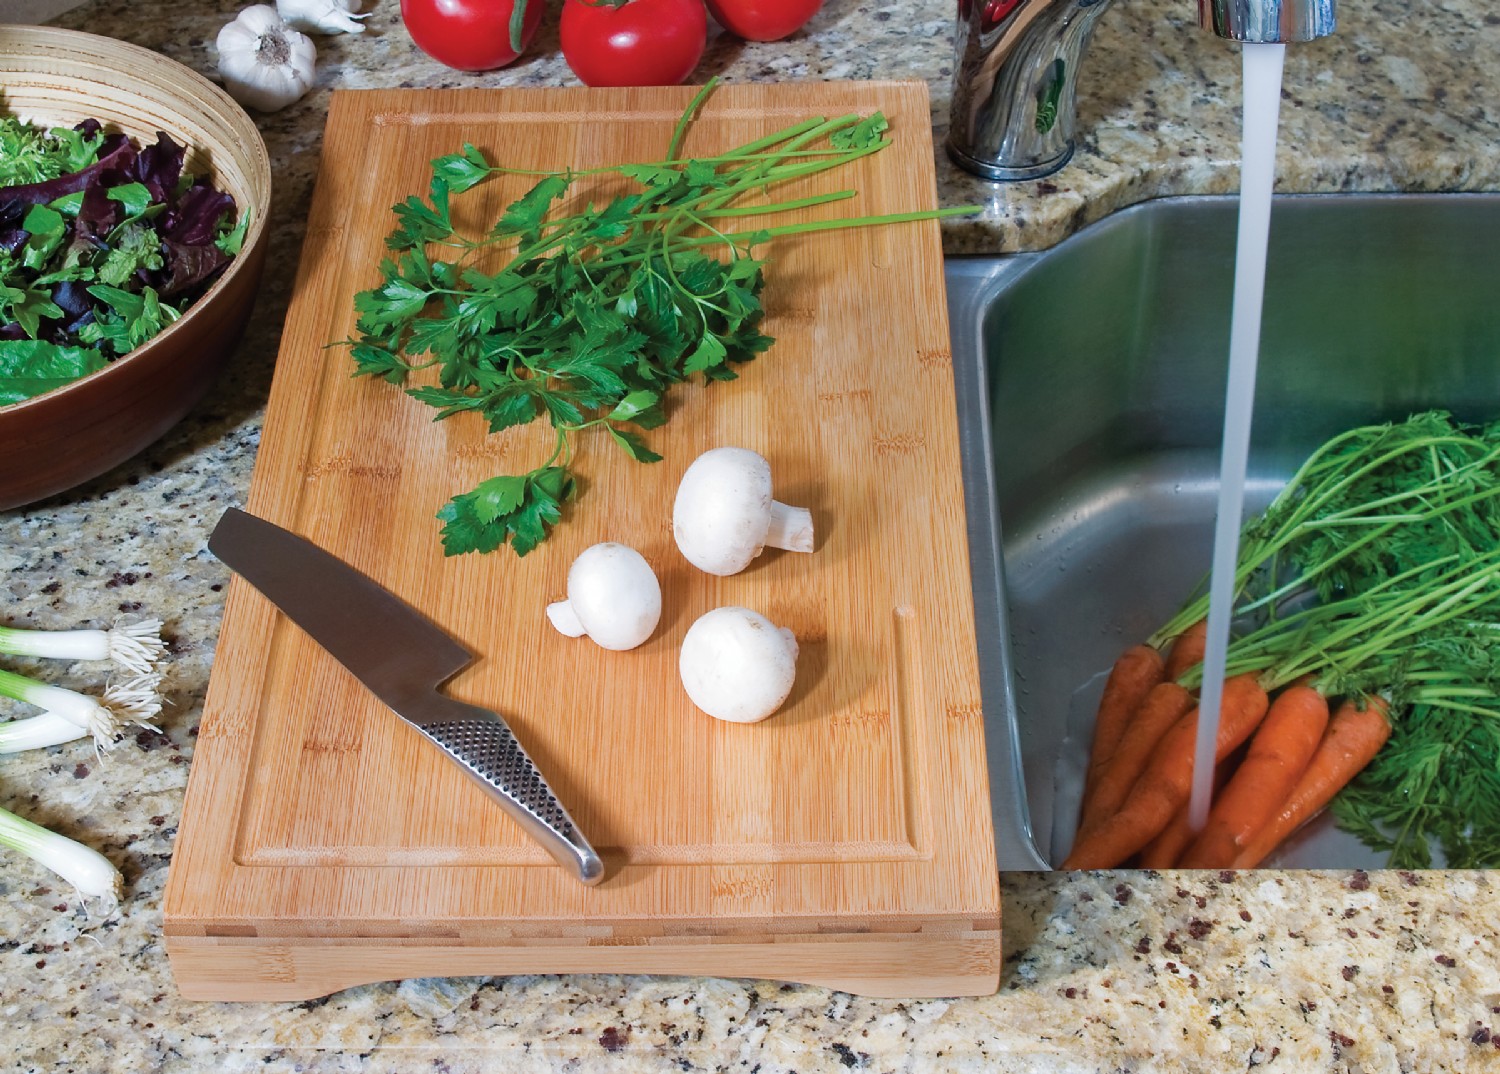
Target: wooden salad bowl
(67, 436)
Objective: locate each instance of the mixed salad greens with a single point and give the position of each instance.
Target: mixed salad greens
(103, 243)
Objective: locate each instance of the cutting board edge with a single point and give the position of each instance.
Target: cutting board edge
(890, 966)
(253, 928)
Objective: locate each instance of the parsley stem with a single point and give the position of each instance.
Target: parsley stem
(720, 158)
(766, 209)
(765, 234)
(688, 115)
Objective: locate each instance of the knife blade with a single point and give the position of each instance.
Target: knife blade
(403, 659)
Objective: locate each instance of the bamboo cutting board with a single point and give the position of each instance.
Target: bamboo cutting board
(845, 841)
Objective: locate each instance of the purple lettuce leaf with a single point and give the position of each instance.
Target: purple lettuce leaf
(120, 156)
(187, 266)
(194, 219)
(97, 215)
(73, 298)
(158, 167)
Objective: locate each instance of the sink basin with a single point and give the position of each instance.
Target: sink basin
(1090, 383)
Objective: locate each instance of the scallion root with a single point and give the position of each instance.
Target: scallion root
(133, 647)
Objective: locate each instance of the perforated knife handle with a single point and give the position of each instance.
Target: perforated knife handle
(487, 750)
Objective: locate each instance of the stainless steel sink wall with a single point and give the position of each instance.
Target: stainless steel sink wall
(1090, 389)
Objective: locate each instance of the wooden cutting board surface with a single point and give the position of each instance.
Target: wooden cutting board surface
(314, 816)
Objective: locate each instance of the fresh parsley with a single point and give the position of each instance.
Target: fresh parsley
(596, 311)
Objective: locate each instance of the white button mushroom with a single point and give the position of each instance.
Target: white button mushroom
(613, 597)
(724, 515)
(737, 665)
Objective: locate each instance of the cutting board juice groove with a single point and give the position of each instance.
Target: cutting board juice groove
(846, 841)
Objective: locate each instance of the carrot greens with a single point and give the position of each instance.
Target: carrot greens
(596, 312)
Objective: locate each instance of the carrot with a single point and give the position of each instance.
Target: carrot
(1167, 781)
(1166, 849)
(1187, 649)
(1139, 669)
(1279, 754)
(1163, 706)
(1353, 738)
(1163, 851)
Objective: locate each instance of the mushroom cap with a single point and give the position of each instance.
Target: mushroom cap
(615, 594)
(723, 509)
(737, 665)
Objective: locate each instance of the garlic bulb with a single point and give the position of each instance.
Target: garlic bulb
(322, 16)
(265, 64)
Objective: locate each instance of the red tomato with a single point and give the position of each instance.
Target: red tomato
(470, 35)
(763, 20)
(642, 43)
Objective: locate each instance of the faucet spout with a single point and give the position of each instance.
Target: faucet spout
(1267, 22)
(1016, 76)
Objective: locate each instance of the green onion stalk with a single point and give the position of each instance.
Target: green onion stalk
(134, 701)
(92, 874)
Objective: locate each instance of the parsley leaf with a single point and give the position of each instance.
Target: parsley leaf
(524, 216)
(863, 135)
(462, 170)
(515, 509)
(421, 222)
(634, 446)
(633, 405)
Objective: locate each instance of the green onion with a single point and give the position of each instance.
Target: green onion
(135, 647)
(38, 732)
(135, 701)
(91, 873)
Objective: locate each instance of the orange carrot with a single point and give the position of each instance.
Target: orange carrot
(1187, 649)
(1166, 783)
(1158, 713)
(1166, 849)
(1279, 754)
(1353, 738)
(1163, 851)
(1130, 680)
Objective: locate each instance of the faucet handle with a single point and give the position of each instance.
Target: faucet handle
(1267, 22)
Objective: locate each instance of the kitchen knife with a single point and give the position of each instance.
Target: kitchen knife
(402, 658)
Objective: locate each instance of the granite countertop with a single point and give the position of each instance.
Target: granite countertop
(1122, 971)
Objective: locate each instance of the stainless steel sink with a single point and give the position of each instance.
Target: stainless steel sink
(1090, 386)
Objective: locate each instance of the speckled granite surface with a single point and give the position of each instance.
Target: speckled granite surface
(1104, 972)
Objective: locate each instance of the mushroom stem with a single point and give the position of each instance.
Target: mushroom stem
(565, 619)
(791, 528)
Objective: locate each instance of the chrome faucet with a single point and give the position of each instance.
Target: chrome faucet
(1015, 82)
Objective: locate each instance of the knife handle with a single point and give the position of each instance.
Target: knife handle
(487, 750)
